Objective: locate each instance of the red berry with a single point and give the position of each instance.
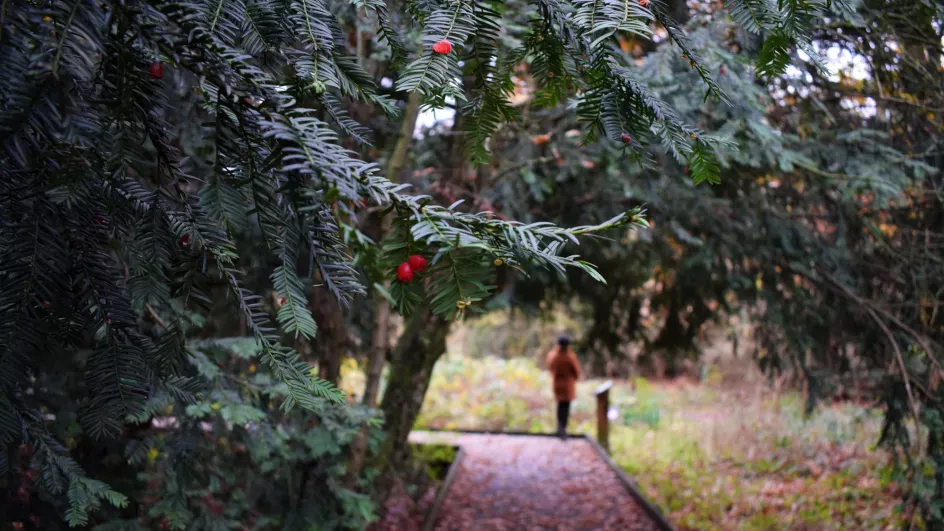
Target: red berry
(46, 305)
(99, 218)
(442, 47)
(417, 263)
(282, 301)
(185, 239)
(626, 138)
(405, 273)
(156, 71)
(723, 70)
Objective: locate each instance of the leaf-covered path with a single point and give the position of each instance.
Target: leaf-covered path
(512, 482)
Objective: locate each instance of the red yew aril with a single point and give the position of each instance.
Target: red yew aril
(405, 273)
(626, 138)
(185, 239)
(156, 71)
(281, 301)
(417, 263)
(442, 47)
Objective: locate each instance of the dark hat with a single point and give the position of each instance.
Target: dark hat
(563, 341)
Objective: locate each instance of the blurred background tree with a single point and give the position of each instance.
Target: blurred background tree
(824, 232)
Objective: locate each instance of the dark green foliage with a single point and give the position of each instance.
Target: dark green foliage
(236, 459)
(784, 25)
(489, 106)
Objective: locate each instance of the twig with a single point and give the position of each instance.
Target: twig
(245, 383)
(154, 315)
(898, 355)
(904, 375)
(918, 337)
(842, 176)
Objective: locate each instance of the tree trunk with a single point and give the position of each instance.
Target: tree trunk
(381, 332)
(333, 337)
(331, 367)
(662, 355)
(379, 339)
(420, 346)
(378, 349)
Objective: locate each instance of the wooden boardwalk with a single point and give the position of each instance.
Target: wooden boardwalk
(521, 482)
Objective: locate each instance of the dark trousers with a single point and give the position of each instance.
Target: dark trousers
(563, 411)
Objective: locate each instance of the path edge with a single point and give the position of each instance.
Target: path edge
(634, 491)
(433, 513)
(651, 509)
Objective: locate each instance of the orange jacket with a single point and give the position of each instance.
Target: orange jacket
(565, 370)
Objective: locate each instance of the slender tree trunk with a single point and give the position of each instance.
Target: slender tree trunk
(381, 332)
(378, 349)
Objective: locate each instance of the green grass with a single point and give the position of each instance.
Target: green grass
(712, 456)
(435, 457)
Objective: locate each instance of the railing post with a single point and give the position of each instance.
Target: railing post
(603, 409)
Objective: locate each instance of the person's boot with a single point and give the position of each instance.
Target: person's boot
(562, 432)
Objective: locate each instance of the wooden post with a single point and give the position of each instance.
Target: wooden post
(603, 408)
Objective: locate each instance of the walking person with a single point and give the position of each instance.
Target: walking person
(565, 371)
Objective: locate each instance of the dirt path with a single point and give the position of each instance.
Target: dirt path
(507, 482)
